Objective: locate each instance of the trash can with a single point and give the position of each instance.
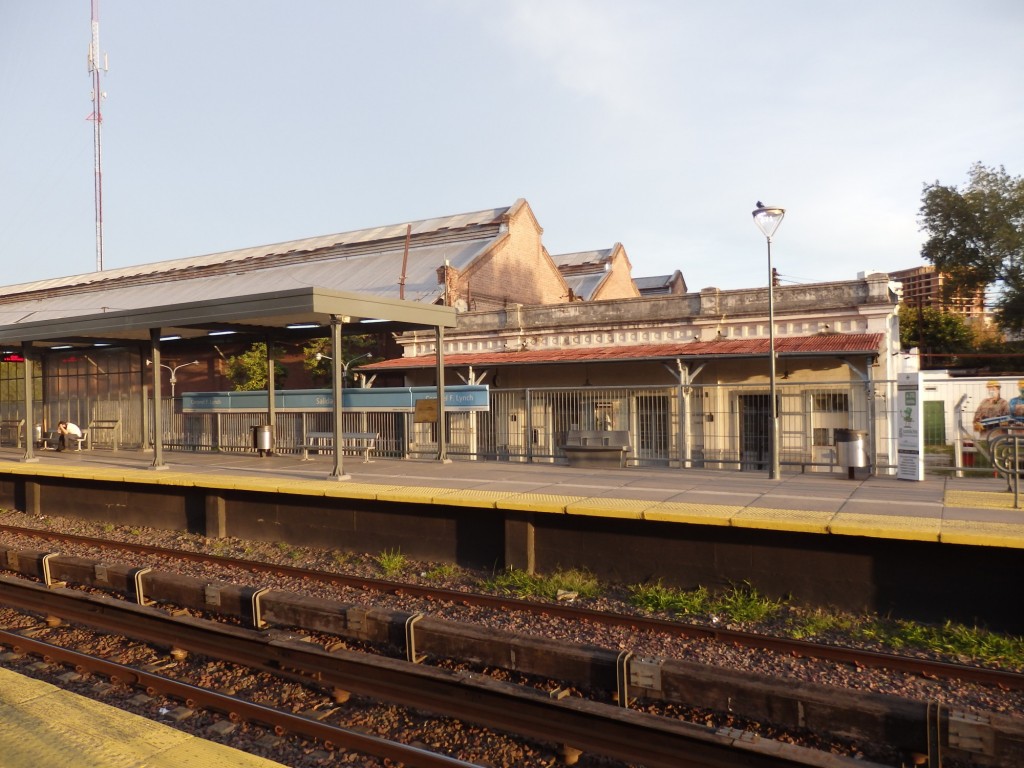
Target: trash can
(37, 434)
(851, 449)
(262, 439)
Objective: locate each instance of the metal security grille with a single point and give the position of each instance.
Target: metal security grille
(725, 426)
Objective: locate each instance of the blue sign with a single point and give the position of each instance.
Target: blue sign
(462, 397)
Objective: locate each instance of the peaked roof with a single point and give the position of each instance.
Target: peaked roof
(584, 271)
(821, 345)
(659, 284)
(365, 261)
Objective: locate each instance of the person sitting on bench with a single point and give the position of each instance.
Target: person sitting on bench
(65, 428)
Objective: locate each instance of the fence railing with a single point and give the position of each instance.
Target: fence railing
(712, 426)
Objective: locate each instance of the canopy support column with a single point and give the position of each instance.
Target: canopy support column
(271, 399)
(30, 432)
(442, 443)
(158, 407)
(337, 376)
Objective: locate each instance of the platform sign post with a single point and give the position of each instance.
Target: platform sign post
(909, 411)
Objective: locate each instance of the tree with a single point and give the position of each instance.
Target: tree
(248, 371)
(934, 333)
(976, 238)
(360, 348)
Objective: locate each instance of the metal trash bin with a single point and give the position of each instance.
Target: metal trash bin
(851, 449)
(262, 439)
(37, 434)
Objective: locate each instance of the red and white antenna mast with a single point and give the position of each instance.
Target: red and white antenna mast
(95, 70)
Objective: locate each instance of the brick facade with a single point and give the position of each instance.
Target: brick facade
(516, 269)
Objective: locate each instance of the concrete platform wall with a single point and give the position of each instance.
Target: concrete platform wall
(912, 579)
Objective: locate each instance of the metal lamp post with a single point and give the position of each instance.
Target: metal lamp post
(767, 218)
(344, 366)
(174, 371)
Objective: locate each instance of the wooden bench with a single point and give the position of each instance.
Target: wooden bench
(113, 425)
(351, 442)
(596, 447)
(11, 429)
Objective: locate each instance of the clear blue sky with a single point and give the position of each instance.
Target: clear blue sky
(656, 124)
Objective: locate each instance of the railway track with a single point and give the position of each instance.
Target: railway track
(922, 726)
(577, 725)
(860, 657)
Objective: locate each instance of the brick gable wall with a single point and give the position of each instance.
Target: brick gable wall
(516, 270)
(619, 282)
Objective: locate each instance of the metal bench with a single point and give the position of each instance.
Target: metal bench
(596, 447)
(113, 425)
(351, 442)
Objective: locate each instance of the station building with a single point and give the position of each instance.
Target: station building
(563, 341)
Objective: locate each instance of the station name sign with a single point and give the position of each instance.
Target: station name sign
(465, 397)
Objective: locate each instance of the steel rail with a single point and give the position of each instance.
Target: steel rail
(611, 731)
(235, 708)
(789, 646)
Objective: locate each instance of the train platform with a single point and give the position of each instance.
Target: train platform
(41, 724)
(977, 510)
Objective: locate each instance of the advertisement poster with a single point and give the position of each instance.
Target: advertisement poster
(910, 442)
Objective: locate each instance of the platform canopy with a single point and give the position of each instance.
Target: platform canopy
(200, 307)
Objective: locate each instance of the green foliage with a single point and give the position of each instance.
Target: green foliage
(661, 599)
(359, 350)
(743, 605)
(442, 572)
(739, 604)
(248, 371)
(976, 237)
(392, 562)
(934, 333)
(950, 639)
(522, 584)
(319, 369)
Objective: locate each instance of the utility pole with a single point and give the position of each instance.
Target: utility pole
(95, 70)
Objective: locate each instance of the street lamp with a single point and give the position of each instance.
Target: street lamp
(174, 371)
(767, 218)
(344, 366)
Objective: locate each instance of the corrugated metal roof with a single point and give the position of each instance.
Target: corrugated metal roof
(584, 271)
(597, 258)
(385, 270)
(786, 346)
(651, 283)
(372, 274)
(585, 286)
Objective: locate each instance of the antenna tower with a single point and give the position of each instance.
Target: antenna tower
(95, 70)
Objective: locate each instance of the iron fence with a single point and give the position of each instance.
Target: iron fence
(724, 426)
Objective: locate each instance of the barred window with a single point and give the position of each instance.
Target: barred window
(831, 402)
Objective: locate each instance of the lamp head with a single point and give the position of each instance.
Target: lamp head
(767, 218)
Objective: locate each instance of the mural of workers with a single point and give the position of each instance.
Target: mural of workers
(994, 406)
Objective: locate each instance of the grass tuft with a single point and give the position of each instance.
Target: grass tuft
(392, 562)
(522, 584)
